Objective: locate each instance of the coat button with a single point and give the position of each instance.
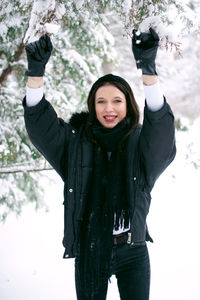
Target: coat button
(66, 255)
(70, 190)
(73, 131)
(92, 245)
(134, 178)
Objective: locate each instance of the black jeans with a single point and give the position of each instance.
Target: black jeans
(131, 267)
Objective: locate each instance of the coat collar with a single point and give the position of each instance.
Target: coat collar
(77, 120)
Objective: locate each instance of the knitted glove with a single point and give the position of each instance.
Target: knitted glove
(38, 54)
(144, 47)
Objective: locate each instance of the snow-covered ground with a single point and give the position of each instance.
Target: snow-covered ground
(31, 264)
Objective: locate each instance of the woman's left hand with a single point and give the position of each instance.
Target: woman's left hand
(144, 47)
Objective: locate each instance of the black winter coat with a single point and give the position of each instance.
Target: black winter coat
(150, 148)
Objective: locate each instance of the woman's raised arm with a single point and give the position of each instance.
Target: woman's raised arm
(48, 133)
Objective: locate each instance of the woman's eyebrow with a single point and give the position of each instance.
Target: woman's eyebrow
(101, 97)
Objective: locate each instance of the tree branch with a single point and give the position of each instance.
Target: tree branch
(26, 167)
(14, 171)
(9, 68)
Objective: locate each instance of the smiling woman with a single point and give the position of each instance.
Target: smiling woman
(109, 164)
(110, 105)
(111, 100)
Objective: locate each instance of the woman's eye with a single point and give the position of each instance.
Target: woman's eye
(100, 101)
(118, 100)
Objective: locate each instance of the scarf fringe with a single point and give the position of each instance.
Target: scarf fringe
(96, 251)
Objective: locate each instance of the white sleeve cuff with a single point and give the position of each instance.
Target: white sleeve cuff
(34, 96)
(154, 96)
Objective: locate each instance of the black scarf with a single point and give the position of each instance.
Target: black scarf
(107, 207)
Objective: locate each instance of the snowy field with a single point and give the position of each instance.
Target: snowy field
(31, 251)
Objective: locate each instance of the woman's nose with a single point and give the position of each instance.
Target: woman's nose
(109, 107)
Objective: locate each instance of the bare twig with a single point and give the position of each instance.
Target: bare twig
(169, 46)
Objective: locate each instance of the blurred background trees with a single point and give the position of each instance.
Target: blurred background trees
(90, 38)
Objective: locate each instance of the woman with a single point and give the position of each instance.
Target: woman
(109, 164)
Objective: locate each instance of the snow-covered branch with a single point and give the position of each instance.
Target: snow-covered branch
(45, 17)
(170, 19)
(23, 169)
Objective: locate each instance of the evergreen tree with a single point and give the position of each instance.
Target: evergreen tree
(83, 44)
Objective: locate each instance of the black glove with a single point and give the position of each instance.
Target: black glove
(144, 47)
(38, 54)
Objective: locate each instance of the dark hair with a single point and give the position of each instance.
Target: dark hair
(132, 115)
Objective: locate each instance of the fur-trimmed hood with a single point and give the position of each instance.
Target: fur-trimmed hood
(79, 119)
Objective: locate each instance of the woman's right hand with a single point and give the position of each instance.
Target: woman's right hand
(38, 54)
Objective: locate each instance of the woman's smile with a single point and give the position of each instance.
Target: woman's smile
(109, 118)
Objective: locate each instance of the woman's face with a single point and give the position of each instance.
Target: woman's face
(110, 105)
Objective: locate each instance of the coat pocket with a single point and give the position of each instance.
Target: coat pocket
(142, 201)
(141, 208)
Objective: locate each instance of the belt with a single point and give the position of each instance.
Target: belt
(122, 238)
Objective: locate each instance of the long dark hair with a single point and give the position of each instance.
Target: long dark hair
(132, 116)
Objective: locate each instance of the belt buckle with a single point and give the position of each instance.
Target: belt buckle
(129, 238)
(122, 238)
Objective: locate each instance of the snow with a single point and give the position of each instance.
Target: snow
(79, 3)
(52, 28)
(127, 5)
